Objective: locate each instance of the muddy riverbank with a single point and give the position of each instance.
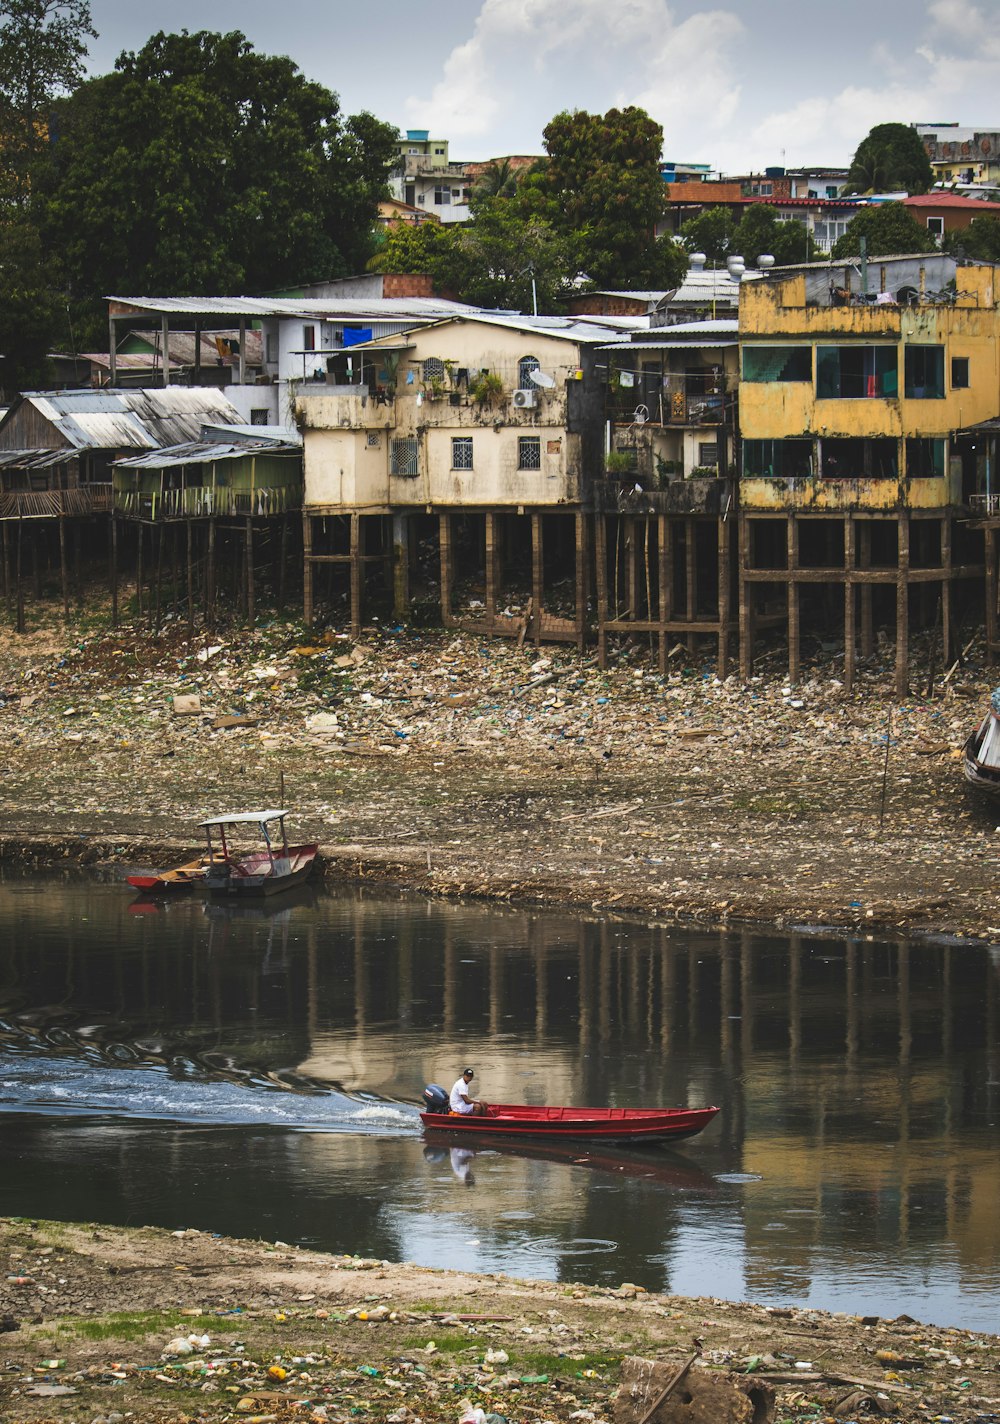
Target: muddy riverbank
(458, 766)
(107, 1324)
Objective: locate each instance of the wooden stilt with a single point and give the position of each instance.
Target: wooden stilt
(691, 578)
(601, 575)
(724, 538)
(867, 620)
(665, 582)
(190, 576)
(850, 636)
(794, 641)
(355, 567)
(36, 564)
(77, 583)
(282, 561)
(307, 569)
(251, 588)
(581, 580)
(210, 575)
(746, 599)
(946, 565)
(6, 568)
(113, 556)
(631, 566)
(158, 535)
(902, 605)
(990, 590)
(490, 559)
(444, 548)
(62, 566)
(138, 569)
(19, 585)
(537, 573)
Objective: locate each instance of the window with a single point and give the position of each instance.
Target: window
(935, 226)
(259, 415)
(708, 452)
(777, 363)
(856, 372)
(525, 366)
(854, 458)
(433, 370)
(925, 458)
(374, 441)
(442, 195)
(271, 348)
(831, 191)
(778, 459)
(960, 373)
(529, 452)
(403, 458)
(439, 150)
(308, 338)
(924, 373)
(461, 452)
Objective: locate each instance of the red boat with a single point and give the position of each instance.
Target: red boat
(588, 1124)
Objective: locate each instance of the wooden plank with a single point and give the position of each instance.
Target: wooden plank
(850, 597)
(601, 575)
(444, 545)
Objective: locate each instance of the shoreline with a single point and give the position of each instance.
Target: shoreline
(498, 773)
(97, 1318)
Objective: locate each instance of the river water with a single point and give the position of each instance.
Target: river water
(255, 1072)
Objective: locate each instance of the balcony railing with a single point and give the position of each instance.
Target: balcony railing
(670, 400)
(204, 501)
(53, 504)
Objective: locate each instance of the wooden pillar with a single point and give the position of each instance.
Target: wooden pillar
(691, 578)
(251, 590)
(62, 565)
(724, 564)
(158, 530)
(850, 635)
(490, 560)
(867, 621)
(746, 600)
(902, 604)
(990, 572)
(631, 566)
(601, 575)
(537, 572)
(282, 558)
(356, 567)
(401, 566)
(190, 576)
(113, 570)
(444, 545)
(794, 647)
(18, 584)
(210, 576)
(138, 568)
(307, 569)
(6, 568)
(946, 562)
(665, 583)
(581, 579)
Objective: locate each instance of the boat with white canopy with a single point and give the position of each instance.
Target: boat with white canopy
(265, 871)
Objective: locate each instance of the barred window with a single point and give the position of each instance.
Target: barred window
(374, 440)
(708, 452)
(433, 369)
(529, 452)
(403, 458)
(461, 452)
(525, 366)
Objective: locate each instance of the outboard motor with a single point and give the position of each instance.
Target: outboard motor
(435, 1098)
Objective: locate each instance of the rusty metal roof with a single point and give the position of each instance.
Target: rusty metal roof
(35, 459)
(141, 419)
(203, 452)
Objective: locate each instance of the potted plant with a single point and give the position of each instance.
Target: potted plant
(487, 390)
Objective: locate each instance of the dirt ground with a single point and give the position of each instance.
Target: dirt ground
(460, 766)
(102, 1324)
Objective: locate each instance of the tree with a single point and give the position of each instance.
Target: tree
(602, 178)
(980, 240)
(759, 231)
(497, 180)
(42, 50)
(891, 157)
(711, 232)
(889, 230)
(199, 166)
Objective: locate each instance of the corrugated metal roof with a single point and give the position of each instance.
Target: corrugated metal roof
(202, 452)
(337, 308)
(707, 344)
(133, 419)
(35, 459)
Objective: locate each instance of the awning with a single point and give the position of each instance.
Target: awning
(244, 818)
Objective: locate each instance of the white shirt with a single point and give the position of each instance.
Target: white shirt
(458, 1102)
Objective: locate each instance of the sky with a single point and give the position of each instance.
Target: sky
(740, 86)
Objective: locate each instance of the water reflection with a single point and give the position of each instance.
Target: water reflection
(853, 1163)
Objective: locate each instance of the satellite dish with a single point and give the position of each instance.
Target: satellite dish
(542, 378)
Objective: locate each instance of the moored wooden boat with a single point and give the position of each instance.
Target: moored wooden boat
(278, 866)
(981, 757)
(169, 882)
(582, 1124)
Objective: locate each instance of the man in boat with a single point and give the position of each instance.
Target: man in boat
(460, 1102)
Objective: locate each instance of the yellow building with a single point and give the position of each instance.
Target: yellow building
(860, 386)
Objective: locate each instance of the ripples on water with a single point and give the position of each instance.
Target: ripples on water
(257, 1073)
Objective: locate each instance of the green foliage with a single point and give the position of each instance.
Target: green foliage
(711, 232)
(619, 462)
(487, 390)
(200, 167)
(980, 240)
(42, 51)
(890, 231)
(717, 233)
(890, 157)
(29, 307)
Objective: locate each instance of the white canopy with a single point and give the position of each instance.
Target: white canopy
(244, 818)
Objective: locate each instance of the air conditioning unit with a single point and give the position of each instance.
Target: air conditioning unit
(525, 400)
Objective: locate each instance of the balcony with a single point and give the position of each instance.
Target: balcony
(55, 504)
(205, 501)
(677, 400)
